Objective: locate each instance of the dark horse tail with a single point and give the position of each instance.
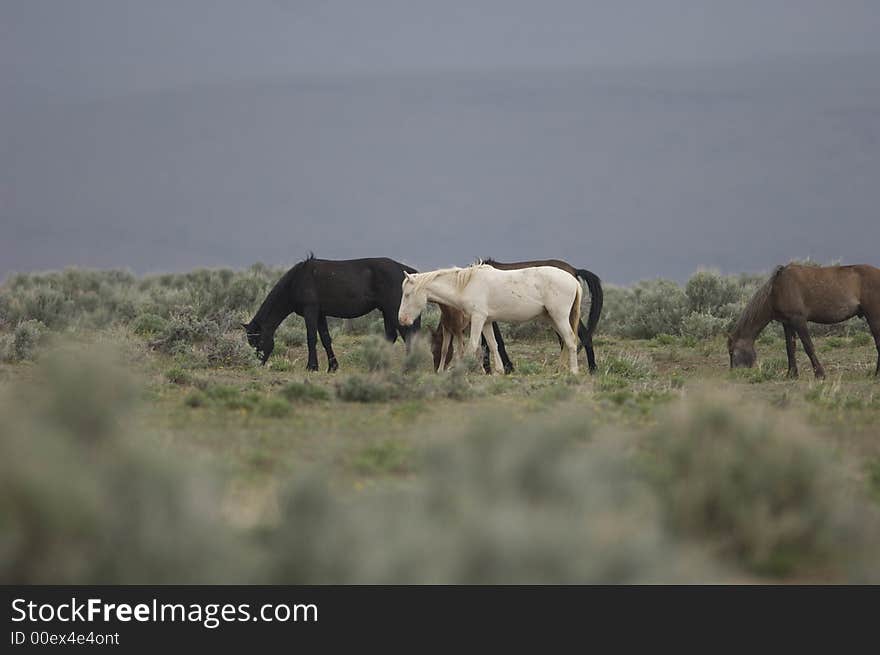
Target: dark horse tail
(594, 284)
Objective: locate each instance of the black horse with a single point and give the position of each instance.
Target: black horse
(318, 288)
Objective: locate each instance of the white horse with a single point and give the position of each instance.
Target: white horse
(488, 294)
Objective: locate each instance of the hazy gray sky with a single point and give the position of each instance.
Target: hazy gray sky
(635, 138)
(75, 48)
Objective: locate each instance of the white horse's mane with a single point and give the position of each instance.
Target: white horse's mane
(462, 275)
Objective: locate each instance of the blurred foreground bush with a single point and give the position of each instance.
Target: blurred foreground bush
(82, 502)
(712, 493)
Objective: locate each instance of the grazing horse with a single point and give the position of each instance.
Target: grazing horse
(487, 294)
(318, 288)
(795, 294)
(585, 333)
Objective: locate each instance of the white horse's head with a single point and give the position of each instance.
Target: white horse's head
(413, 301)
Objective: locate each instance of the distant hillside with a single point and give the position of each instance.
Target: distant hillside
(629, 173)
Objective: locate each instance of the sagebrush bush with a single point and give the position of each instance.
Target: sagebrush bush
(183, 330)
(708, 291)
(769, 497)
(291, 333)
(274, 408)
(178, 375)
(699, 325)
(304, 391)
(418, 357)
(148, 324)
(80, 504)
(644, 310)
(25, 342)
(364, 389)
(505, 503)
(628, 365)
(230, 349)
(375, 354)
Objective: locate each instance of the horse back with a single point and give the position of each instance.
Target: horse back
(352, 287)
(823, 294)
(513, 266)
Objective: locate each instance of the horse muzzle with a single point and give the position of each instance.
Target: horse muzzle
(405, 320)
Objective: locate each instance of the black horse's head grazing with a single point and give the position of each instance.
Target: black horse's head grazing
(262, 342)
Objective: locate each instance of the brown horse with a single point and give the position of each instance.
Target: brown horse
(452, 322)
(795, 294)
(585, 333)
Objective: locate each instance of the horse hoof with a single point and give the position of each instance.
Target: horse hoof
(792, 375)
(314, 368)
(332, 367)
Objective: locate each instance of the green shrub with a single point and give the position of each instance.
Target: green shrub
(629, 365)
(698, 325)
(273, 407)
(304, 391)
(383, 457)
(230, 349)
(834, 342)
(418, 357)
(707, 292)
(182, 331)
(291, 333)
(505, 502)
(196, 399)
(26, 340)
(375, 353)
(609, 383)
(148, 325)
(81, 502)
(770, 498)
(177, 375)
(364, 389)
(46, 305)
(644, 310)
(525, 367)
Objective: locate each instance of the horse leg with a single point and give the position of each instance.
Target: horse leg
(508, 365)
(459, 344)
(791, 349)
(324, 332)
(444, 348)
(874, 324)
(484, 347)
(587, 339)
(310, 315)
(389, 318)
(489, 336)
(563, 329)
(477, 323)
(801, 329)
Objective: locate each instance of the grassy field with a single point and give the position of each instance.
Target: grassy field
(664, 466)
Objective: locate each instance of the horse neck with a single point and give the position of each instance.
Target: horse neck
(443, 289)
(755, 323)
(277, 306)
